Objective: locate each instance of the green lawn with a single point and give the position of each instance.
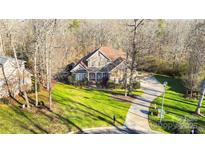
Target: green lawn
(137, 92)
(179, 111)
(74, 108)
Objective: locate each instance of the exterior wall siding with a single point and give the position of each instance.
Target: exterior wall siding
(9, 80)
(117, 74)
(97, 60)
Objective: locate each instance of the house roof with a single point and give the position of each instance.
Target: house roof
(108, 52)
(4, 59)
(116, 57)
(111, 53)
(82, 61)
(112, 65)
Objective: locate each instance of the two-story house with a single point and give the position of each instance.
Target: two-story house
(100, 63)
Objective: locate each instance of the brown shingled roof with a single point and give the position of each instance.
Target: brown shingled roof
(111, 53)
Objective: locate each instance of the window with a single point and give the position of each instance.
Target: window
(105, 75)
(92, 76)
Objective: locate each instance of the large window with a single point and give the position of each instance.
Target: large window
(80, 76)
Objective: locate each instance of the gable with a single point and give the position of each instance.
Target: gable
(100, 58)
(119, 66)
(97, 60)
(78, 67)
(97, 54)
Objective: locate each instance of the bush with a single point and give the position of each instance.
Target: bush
(154, 111)
(111, 85)
(181, 127)
(85, 82)
(98, 84)
(71, 79)
(136, 85)
(5, 100)
(119, 86)
(104, 82)
(82, 83)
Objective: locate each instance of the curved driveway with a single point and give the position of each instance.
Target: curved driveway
(137, 117)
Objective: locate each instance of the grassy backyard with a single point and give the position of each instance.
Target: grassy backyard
(74, 108)
(179, 111)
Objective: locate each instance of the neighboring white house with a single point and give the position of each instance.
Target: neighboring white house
(9, 77)
(100, 63)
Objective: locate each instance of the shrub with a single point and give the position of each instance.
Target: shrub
(5, 100)
(184, 126)
(71, 79)
(119, 86)
(81, 83)
(98, 84)
(136, 85)
(104, 82)
(154, 111)
(85, 82)
(111, 85)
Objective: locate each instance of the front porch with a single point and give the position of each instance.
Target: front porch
(90, 76)
(96, 76)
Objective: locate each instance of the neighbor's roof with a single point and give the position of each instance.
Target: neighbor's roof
(4, 59)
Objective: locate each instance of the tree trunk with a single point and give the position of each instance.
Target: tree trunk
(35, 74)
(2, 46)
(191, 93)
(49, 82)
(125, 75)
(26, 98)
(134, 51)
(200, 102)
(6, 80)
(19, 75)
(47, 68)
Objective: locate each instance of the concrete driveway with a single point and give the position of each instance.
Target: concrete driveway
(137, 117)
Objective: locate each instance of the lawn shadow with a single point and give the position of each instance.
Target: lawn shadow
(35, 124)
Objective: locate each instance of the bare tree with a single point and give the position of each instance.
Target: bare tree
(135, 26)
(20, 76)
(195, 46)
(198, 109)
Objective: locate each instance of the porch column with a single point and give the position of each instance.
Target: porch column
(96, 76)
(88, 77)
